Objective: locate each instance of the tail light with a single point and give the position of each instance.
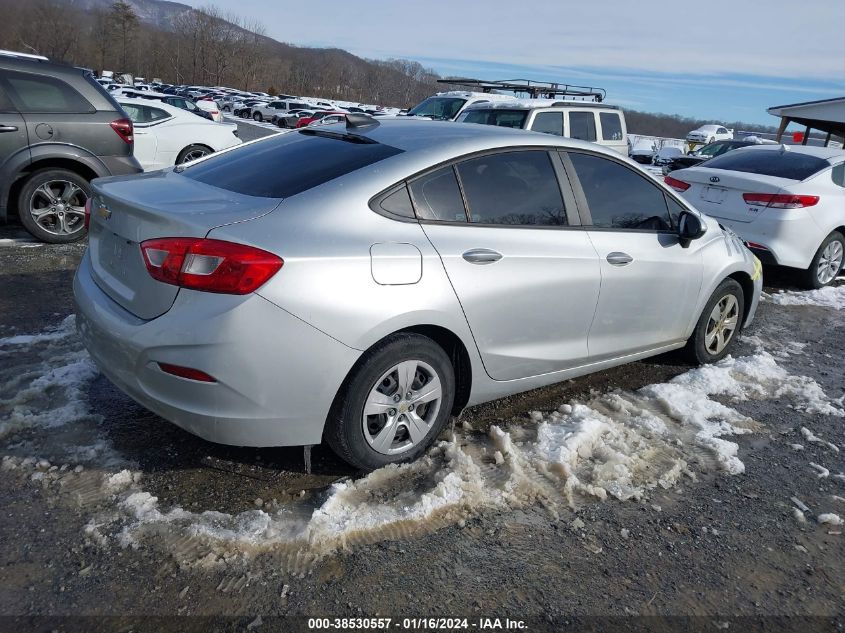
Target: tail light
(124, 130)
(779, 200)
(209, 265)
(87, 213)
(677, 185)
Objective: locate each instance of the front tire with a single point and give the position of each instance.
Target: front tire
(826, 263)
(257, 117)
(51, 205)
(719, 324)
(394, 404)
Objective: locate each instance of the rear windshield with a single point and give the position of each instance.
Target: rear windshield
(790, 165)
(289, 164)
(502, 118)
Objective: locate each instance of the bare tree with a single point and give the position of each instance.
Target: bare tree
(124, 20)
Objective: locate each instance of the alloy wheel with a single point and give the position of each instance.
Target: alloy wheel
(194, 154)
(58, 207)
(401, 407)
(830, 262)
(722, 324)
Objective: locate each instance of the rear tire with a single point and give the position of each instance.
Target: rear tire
(827, 262)
(193, 152)
(257, 117)
(398, 428)
(51, 205)
(719, 324)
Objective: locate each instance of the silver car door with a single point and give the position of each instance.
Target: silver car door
(527, 279)
(650, 282)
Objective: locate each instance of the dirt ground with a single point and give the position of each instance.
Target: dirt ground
(713, 551)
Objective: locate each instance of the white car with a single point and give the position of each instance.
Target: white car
(166, 135)
(787, 203)
(279, 107)
(709, 134)
(212, 108)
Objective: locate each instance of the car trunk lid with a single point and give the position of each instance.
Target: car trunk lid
(128, 211)
(718, 192)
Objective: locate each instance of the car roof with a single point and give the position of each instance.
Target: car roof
(531, 104)
(155, 103)
(415, 135)
(825, 153)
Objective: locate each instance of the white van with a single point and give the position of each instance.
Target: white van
(586, 120)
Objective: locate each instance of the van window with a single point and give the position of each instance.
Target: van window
(611, 126)
(501, 118)
(512, 188)
(548, 123)
(582, 125)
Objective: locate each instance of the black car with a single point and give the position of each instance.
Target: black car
(59, 129)
(707, 152)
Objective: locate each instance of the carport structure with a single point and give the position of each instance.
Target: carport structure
(827, 115)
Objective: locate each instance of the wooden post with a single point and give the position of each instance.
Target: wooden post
(806, 135)
(784, 121)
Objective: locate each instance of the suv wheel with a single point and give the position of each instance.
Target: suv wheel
(395, 403)
(52, 205)
(719, 324)
(257, 117)
(827, 262)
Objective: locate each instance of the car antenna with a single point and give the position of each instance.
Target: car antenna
(355, 121)
(783, 148)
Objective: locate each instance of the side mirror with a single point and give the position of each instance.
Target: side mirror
(690, 228)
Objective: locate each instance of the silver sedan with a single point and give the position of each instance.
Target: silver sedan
(359, 284)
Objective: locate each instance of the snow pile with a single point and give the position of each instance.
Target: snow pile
(619, 445)
(50, 391)
(828, 297)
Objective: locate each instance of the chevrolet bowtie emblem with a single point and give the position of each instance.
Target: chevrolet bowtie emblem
(104, 212)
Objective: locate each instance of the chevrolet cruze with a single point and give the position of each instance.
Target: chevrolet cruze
(360, 283)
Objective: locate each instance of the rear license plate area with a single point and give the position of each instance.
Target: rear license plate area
(714, 195)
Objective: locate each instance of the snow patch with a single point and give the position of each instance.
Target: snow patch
(827, 297)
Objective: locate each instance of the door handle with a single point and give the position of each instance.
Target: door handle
(619, 259)
(482, 256)
(8, 128)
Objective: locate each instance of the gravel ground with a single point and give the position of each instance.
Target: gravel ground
(726, 550)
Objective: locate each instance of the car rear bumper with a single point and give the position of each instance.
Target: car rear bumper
(788, 238)
(276, 375)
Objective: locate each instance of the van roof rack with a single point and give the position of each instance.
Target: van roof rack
(6, 53)
(534, 89)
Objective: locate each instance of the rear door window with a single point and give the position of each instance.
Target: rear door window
(582, 125)
(788, 164)
(43, 94)
(611, 126)
(620, 198)
(437, 196)
(513, 188)
(548, 123)
(287, 164)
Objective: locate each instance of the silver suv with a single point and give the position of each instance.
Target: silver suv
(59, 129)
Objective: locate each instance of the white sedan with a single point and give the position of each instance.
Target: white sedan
(166, 135)
(787, 203)
(710, 133)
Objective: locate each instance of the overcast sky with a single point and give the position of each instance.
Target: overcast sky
(721, 59)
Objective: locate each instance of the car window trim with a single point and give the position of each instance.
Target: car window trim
(550, 150)
(575, 220)
(586, 215)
